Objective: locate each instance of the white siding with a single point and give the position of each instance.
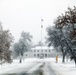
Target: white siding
(37, 52)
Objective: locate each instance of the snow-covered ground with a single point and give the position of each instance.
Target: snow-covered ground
(17, 67)
(68, 68)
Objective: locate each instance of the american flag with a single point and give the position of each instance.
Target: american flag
(42, 20)
(41, 26)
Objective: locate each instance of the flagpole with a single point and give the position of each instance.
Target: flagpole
(41, 32)
(41, 35)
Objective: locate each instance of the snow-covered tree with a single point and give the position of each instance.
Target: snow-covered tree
(5, 43)
(55, 38)
(68, 20)
(23, 45)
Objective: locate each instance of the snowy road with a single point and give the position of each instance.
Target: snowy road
(39, 68)
(35, 66)
(44, 69)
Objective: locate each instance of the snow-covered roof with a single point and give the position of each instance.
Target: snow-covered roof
(43, 47)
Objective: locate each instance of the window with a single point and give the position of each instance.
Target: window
(38, 55)
(42, 50)
(34, 54)
(26, 54)
(45, 50)
(45, 55)
(49, 50)
(37, 50)
(34, 50)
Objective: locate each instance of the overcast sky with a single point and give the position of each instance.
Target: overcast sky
(25, 15)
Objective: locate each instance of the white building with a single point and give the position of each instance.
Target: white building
(39, 51)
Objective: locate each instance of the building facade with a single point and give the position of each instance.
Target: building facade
(40, 52)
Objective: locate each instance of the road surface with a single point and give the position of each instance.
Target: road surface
(40, 68)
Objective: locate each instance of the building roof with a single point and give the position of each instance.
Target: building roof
(43, 47)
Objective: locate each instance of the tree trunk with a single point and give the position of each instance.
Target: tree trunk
(75, 62)
(63, 59)
(20, 61)
(1, 61)
(67, 58)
